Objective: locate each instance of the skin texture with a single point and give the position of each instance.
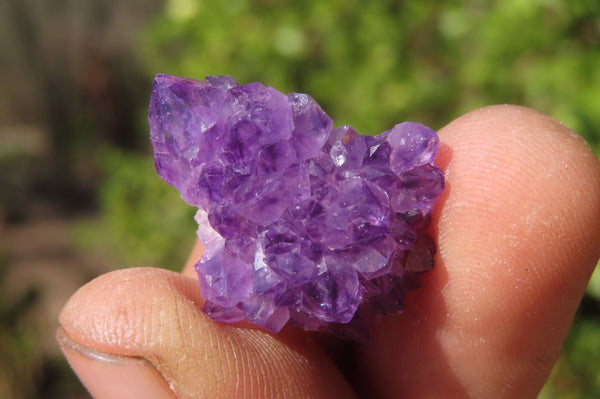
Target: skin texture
(518, 234)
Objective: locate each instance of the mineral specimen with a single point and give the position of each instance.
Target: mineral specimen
(301, 223)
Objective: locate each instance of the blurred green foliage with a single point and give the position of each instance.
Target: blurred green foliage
(576, 374)
(144, 222)
(18, 345)
(373, 64)
(25, 370)
(370, 64)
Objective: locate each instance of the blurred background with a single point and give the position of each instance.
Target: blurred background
(78, 192)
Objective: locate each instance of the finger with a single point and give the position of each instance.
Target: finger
(194, 257)
(112, 376)
(518, 233)
(151, 315)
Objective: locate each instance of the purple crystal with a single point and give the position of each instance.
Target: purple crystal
(302, 224)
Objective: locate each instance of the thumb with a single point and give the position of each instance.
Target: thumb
(139, 333)
(112, 376)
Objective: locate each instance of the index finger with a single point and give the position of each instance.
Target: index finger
(518, 236)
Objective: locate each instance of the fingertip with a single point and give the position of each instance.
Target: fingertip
(108, 376)
(518, 231)
(153, 314)
(532, 179)
(111, 311)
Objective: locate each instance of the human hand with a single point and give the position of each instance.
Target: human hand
(518, 233)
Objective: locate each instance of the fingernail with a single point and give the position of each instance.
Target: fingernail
(109, 376)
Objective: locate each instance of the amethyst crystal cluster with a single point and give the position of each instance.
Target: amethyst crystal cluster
(301, 223)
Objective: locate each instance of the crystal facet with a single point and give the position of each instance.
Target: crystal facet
(301, 223)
